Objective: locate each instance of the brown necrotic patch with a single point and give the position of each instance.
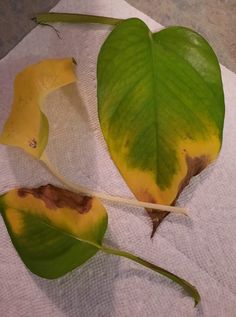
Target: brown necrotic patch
(194, 166)
(55, 197)
(156, 215)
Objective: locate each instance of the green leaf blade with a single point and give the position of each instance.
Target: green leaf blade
(161, 108)
(51, 241)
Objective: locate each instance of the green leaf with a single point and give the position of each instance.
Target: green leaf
(55, 230)
(161, 108)
(49, 226)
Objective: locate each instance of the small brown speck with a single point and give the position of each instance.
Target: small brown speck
(33, 143)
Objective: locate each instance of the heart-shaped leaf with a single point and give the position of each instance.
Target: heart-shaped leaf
(55, 230)
(161, 108)
(49, 226)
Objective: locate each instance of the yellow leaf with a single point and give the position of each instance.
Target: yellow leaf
(27, 126)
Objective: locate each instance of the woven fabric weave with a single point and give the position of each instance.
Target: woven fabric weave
(201, 248)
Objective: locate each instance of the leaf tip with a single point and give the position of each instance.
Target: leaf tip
(197, 298)
(156, 216)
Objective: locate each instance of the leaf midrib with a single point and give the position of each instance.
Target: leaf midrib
(154, 104)
(61, 231)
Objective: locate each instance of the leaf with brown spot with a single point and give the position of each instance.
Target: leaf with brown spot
(31, 87)
(161, 108)
(48, 226)
(55, 230)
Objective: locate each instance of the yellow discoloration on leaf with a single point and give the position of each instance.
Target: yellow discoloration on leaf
(27, 126)
(14, 217)
(161, 108)
(82, 225)
(143, 183)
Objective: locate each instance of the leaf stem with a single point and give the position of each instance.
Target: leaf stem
(115, 199)
(53, 17)
(190, 289)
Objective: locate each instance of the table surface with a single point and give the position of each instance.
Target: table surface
(214, 19)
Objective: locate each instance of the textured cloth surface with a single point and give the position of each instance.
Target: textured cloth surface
(201, 249)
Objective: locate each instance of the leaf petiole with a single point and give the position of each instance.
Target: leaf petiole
(114, 199)
(54, 17)
(189, 288)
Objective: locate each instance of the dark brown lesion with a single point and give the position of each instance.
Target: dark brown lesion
(157, 216)
(194, 166)
(33, 143)
(55, 197)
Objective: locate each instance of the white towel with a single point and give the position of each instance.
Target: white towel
(201, 249)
